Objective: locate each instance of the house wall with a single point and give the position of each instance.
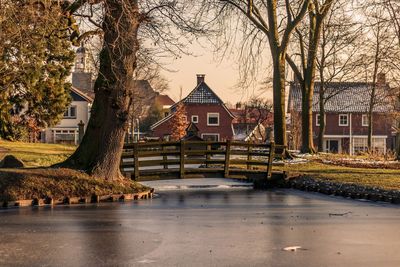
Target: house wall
(225, 121)
(82, 113)
(382, 125)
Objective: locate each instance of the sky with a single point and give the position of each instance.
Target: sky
(221, 76)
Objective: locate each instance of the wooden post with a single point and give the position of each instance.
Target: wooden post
(208, 155)
(136, 161)
(249, 157)
(164, 158)
(270, 159)
(227, 156)
(182, 160)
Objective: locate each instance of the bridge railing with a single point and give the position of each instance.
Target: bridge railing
(188, 157)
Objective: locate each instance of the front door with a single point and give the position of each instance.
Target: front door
(332, 146)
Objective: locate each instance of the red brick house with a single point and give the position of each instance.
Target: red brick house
(346, 117)
(204, 109)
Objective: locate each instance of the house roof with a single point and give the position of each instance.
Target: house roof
(82, 94)
(164, 100)
(350, 97)
(203, 94)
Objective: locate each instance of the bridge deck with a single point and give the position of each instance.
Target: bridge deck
(193, 159)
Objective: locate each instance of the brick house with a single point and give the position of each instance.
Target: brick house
(346, 117)
(252, 124)
(204, 109)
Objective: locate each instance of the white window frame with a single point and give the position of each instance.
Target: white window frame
(195, 117)
(317, 119)
(68, 111)
(215, 134)
(208, 117)
(364, 120)
(347, 119)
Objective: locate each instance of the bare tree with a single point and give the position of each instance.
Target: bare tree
(263, 22)
(305, 74)
(337, 59)
(125, 24)
(381, 58)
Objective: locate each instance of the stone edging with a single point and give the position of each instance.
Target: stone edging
(353, 191)
(67, 200)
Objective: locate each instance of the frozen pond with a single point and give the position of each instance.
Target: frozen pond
(213, 227)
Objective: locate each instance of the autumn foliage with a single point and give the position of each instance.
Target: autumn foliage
(179, 122)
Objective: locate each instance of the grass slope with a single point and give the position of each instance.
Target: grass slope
(39, 181)
(36, 154)
(16, 184)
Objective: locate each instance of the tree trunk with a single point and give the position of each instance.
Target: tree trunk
(307, 145)
(279, 100)
(100, 150)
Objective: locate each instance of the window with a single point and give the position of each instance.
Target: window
(317, 119)
(195, 118)
(364, 120)
(65, 136)
(343, 120)
(70, 113)
(360, 144)
(212, 119)
(210, 137)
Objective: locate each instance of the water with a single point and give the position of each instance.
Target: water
(214, 227)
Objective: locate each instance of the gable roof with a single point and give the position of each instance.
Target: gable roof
(203, 94)
(352, 97)
(81, 94)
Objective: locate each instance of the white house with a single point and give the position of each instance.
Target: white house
(67, 130)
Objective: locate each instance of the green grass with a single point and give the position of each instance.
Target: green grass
(382, 178)
(36, 154)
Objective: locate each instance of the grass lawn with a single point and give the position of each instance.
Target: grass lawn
(382, 178)
(36, 154)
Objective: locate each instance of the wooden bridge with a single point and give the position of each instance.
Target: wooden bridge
(194, 159)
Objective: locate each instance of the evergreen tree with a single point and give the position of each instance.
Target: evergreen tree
(36, 58)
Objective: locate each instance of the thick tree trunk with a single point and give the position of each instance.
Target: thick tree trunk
(279, 100)
(100, 150)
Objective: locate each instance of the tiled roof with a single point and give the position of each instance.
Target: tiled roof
(351, 97)
(202, 94)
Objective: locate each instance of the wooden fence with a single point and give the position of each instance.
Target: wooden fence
(183, 159)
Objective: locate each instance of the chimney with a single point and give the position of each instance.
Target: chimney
(381, 78)
(238, 105)
(200, 78)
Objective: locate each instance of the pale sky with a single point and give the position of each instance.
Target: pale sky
(221, 76)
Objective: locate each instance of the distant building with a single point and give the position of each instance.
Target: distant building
(346, 117)
(205, 110)
(251, 124)
(66, 131)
